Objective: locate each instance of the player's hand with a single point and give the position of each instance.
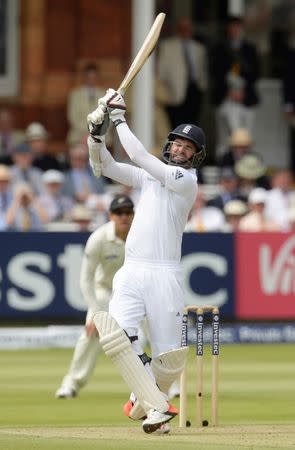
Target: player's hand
(115, 106)
(98, 123)
(94, 158)
(91, 329)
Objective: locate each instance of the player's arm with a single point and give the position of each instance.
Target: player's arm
(174, 178)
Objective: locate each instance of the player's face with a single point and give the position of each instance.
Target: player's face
(181, 150)
(123, 218)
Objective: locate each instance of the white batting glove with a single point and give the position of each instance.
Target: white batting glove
(98, 123)
(115, 105)
(94, 159)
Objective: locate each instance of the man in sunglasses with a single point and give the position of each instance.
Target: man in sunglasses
(149, 284)
(103, 256)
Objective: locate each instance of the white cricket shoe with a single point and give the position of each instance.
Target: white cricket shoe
(155, 419)
(174, 390)
(65, 392)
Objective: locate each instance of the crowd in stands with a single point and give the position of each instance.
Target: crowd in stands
(40, 191)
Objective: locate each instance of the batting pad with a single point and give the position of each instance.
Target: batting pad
(168, 366)
(117, 346)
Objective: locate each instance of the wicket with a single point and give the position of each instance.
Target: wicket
(200, 310)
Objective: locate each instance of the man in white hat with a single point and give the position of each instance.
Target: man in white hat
(37, 138)
(255, 220)
(57, 205)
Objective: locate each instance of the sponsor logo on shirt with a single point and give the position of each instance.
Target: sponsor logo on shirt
(178, 174)
(112, 256)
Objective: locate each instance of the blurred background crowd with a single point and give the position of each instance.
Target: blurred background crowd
(230, 70)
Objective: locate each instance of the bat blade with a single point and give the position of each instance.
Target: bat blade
(144, 52)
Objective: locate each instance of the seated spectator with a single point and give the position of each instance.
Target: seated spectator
(280, 198)
(80, 183)
(57, 205)
(10, 137)
(240, 143)
(5, 194)
(81, 217)
(25, 213)
(255, 220)
(229, 189)
(22, 169)
(204, 218)
(232, 114)
(251, 172)
(37, 139)
(234, 210)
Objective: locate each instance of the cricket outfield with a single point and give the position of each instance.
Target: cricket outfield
(256, 404)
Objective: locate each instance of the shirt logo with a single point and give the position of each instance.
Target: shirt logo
(187, 129)
(178, 174)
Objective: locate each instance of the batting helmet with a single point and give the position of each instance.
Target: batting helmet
(192, 133)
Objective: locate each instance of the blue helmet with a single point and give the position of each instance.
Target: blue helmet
(192, 133)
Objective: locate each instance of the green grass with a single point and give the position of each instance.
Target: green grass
(256, 389)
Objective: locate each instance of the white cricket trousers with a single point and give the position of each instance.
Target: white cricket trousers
(153, 290)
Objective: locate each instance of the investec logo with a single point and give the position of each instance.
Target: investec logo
(277, 272)
(200, 343)
(215, 326)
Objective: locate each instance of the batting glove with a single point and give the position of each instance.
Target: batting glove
(94, 159)
(115, 106)
(98, 123)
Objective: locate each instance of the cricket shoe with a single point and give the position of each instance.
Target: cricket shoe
(134, 410)
(65, 392)
(156, 419)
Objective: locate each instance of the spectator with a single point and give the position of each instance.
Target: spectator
(251, 172)
(25, 212)
(22, 169)
(81, 101)
(280, 198)
(233, 210)
(10, 137)
(239, 57)
(232, 114)
(204, 218)
(82, 218)
(255, 220)
(37, 139)
(229, 189)
(57, 205)
(80, 183)
(182, 66)
(240, 143)
(5, 194)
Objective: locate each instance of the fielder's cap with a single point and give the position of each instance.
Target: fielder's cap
(240, 137)
(5, 174)
(81, 213)
(22, 148)
(235, 208)
(250, 166)
(121, 201)
(53, 176)
(36, 131)
(257, 195)
(227, 173)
